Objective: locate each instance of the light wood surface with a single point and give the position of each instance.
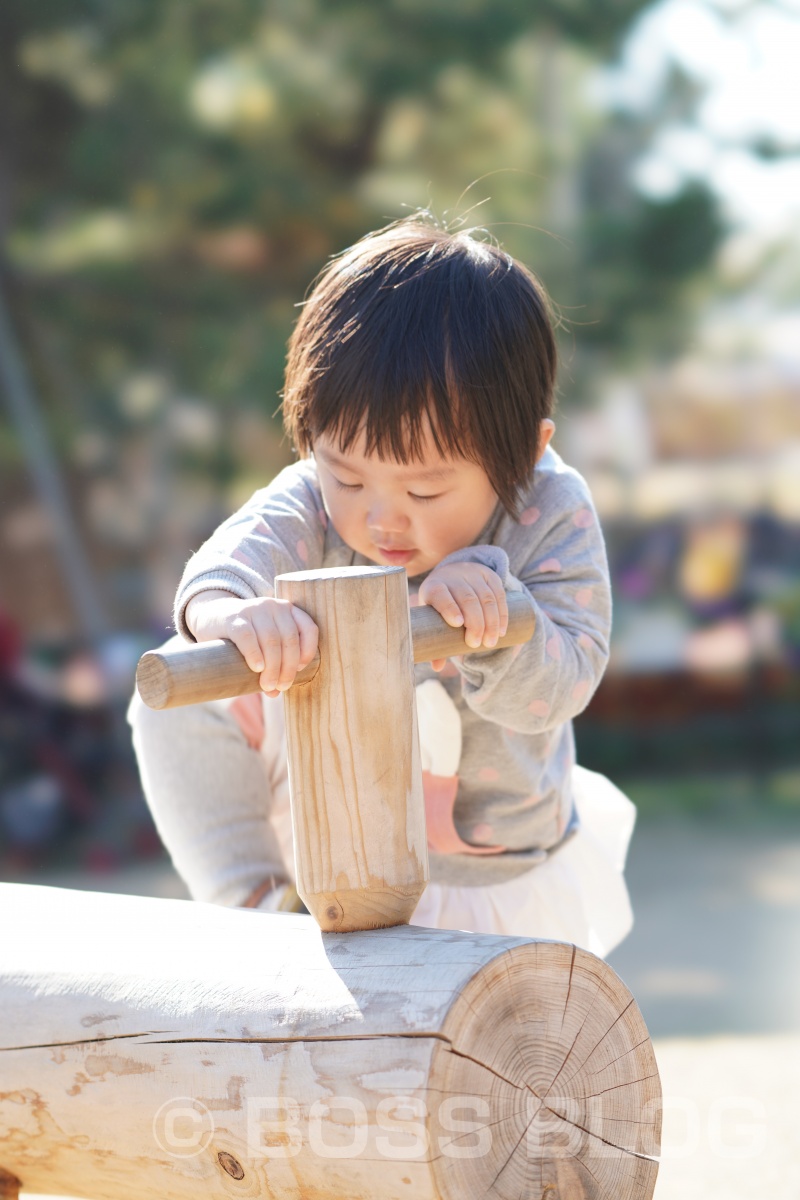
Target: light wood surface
(358, 816)
(165, 1050)
(184, 673)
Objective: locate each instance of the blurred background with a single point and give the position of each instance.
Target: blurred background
(173, 175)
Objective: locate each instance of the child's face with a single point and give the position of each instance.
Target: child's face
(409, 515)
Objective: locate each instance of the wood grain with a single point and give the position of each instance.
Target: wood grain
(286, 1056)
(358, 816)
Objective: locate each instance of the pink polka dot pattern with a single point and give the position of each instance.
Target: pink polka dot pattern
(580, 691)
(263, 528)
(488, 775)
(539, 708)
(302, 550)
(482, 833)
(323, 518)
(549, 564)
(529, 516)
(583, 597)
(553, 646)
(585, 642)
(440, 793)
(583, 518)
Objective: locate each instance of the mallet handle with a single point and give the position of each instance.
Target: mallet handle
(191, 674)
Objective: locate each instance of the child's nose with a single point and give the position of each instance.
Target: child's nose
(386, 517)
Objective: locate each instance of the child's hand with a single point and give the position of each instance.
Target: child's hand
(275, 638)
(471, 595)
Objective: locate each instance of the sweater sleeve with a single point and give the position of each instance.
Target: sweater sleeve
(556, 553)
(281, 528)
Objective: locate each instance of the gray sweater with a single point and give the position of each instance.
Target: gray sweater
(511, 793)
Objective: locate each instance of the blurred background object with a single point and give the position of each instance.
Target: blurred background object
(172, 176)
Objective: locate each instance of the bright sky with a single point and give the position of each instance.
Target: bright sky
(745, 55)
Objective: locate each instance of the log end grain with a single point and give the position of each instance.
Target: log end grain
(549, 1059)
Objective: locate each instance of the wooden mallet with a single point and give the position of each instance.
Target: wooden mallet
(355, 780)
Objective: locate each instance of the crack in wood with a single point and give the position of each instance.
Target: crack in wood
(605, 1141)
(177, 1041)
(312, 1037)
(488, 1125)
(569, 988)
(617, 1086)
(114, 1037)
(588, 1169)
(599, 1042)
(463, 1054)
(514, 1150)
(574, 1041)
(644, 1042)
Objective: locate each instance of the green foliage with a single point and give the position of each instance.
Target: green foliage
(678, 236)
(641, 255)
(177, 173)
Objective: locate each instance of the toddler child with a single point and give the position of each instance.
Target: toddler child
(418, 392)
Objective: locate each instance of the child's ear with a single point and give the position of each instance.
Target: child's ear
(546, 431)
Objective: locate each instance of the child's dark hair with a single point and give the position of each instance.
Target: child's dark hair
(415, 327)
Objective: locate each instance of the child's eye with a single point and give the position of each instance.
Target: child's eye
(346, 487)
(424, 499)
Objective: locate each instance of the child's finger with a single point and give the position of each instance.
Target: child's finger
(271, 646)
(245, 638)
(492, 596)
(309, 635)
(493, 581)
(290, 646)
(493, 615)
(438, 663)
(472, 611)
(439, 596)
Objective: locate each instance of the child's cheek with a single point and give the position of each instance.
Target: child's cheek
(346, 520)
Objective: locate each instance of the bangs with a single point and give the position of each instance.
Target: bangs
(414, 333)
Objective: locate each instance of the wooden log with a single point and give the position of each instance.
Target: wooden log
(165, 1050)
(182, 673)
(358, 816)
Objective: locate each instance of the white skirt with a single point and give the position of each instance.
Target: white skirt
(577, 895)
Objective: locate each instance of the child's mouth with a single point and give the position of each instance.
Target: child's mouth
(400, 557)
